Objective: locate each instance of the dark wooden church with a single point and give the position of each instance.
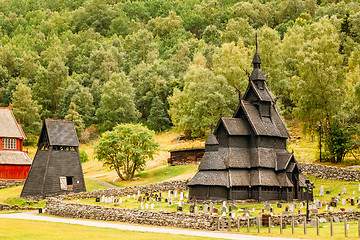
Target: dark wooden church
(246, 156)
(56, 168)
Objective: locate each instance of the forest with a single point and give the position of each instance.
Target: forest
(181, 64)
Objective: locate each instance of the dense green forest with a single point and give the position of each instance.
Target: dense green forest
(182, 64)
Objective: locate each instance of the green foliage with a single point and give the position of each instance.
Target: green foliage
(76, 118)
(204, 99)
(26, 110)
(117, 102)
(158, 119)
(83, 156)
(126, 149)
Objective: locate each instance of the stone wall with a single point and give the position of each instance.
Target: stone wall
(10, 183)
(328, 172)
(198, 220)
(7, 207)
(150, 188)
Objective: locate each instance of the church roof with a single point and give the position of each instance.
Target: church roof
(234, 126)
(212, 161)
(211, 140)
(210, 178)
(61, 133)
(9, 127)
(15, 158)
(272, 126)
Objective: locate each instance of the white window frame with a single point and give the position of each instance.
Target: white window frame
(9, 143)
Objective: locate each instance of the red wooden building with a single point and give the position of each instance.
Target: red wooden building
(14, 162)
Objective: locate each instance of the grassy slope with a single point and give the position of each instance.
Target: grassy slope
(26, 229)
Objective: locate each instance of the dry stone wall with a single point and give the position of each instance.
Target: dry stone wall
(328, 172)
(10, 183)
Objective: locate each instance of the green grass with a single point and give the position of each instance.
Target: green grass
(92, 185)
(37, 230)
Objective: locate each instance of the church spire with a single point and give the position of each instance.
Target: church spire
(257, 73)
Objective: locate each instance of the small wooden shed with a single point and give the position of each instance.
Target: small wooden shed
(56, 168)
(14, 162)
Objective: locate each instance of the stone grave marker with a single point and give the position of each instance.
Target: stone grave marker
(142, 205)
(151, 194)
(331, 209)
(267, 206)
(343, 202)
(211, 207)
(146, 206)
(97, 199)
(169, 194)
(354, 192)
(279, 205)
(326, 208)
(224, 214)
(321, 191)
(134, 196)
(192, 209)
(344, 190)
(201, 208)
(179, 208)
(350, 210)
(151, 200)
(352, 202)
(159, 204)
(160, 195)
(146, 194)
(224, 209)
(322, 220)
(195, 209)
(336, 219)
(147, 199)
(233, 214)
(139, 193)
(301, 205)
(224, 204)
(187, 195)
(181, 196)
(156, 195)
(120, 200)
(328, 192)
(216, 211)
(152, 206)
(206, 208)
(299, 211)
(103, 198)
(286, 213)
(175, 194)
(180, 203)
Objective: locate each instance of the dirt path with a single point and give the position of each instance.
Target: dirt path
(102, 224)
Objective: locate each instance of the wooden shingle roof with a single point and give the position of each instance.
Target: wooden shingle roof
(210, 178)
(61, 133)
(15, 158)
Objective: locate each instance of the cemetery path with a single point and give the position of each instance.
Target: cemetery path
(106, 184)
(121, 226)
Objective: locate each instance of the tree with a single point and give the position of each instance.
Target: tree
(117, 102)
(26, 110)
(126, 149)
(158, 118)
(76, 118)
(204, 99)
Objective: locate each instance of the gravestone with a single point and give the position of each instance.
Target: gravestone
(206, 208)
(286, 213)
(344, 190)
(267, 206)
(159, 204)
(331, 209)
(195, 209)
(139, 193)
(224, 209)
(201, 208)
(326, 208)
(169, 194)
(216, 211)
(142, 205)
(156, 196)
(211, 207)
(192, 209)
(187, 195)
(322, 220)
(166, 200)
(181, 196)
(179, 209)
(147, 199)
(321, 191)
(333, 204)
(146, 194)
(343, 202)
(313, 223)
(151, 200)
(175, 195)
(328, 192)
(146, 206)
(279, 205)
(134, 196)
(233, 214)
(224, 204)
(301, 205)
(152, 206)
(354, 192)
(336, 219)
(352, 202)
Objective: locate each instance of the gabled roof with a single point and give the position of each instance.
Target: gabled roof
(283, 160)
(263, 177)
(211, 140)
(233, 126)
(60, 133)
(262, 93)
(272, 126)
(15, 158)
(9, 127)
(284, 181)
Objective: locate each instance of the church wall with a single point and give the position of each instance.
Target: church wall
(271, 142)
(201, 192)
(222, 137)
(239, 141)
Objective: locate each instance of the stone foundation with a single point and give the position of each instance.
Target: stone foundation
(10, 183)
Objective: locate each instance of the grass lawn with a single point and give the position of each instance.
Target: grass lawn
(37, 230)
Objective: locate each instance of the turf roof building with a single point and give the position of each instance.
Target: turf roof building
(56, 168)
(246, 156)
(14, 162)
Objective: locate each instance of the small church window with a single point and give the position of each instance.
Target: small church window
(9, 143)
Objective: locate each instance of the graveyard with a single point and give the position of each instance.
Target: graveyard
(344, 194)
